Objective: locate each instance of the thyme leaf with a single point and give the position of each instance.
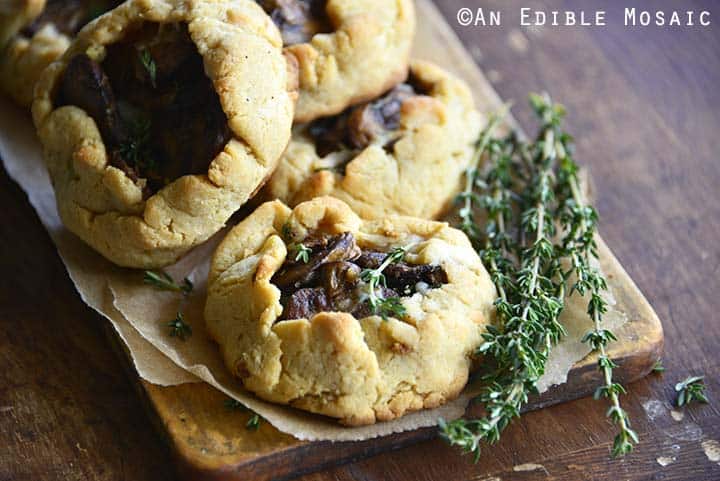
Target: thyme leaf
(390, 307)
(136, 149)
(179, 328)
(579, 222)
(691, 389)
(302, 252)
(253, 423)
(162, 280)
(658, 366)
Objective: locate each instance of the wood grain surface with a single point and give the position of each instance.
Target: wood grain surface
(643, 106)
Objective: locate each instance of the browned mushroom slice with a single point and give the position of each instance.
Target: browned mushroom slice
(377, 118)
(305, 303)
(147, 66)
(370, 259)
(156, 109)
(329, 134)
(69, 16)
(298, 20)
(403, 276)
(340, 279)
(191, 131)
(363, 125)
(330, 277)
(297, 274)
(85, 85)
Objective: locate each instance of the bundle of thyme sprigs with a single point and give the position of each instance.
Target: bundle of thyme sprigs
(537, 240)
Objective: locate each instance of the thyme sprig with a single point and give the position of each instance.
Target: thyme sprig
(526, 272)
(691, 389)
(536, 222)
(163, 281)
(385, 307)
(579, 223)
(468, 197)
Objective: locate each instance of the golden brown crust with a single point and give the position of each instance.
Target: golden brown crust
(242, 55)
(16, 14)
(359, 371)
(365, 55)
(418, 177)
(23, 59)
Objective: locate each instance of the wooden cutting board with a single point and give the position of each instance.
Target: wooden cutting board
(211, 442)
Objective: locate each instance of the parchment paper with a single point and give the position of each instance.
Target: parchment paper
(140, 313)
(21, 156)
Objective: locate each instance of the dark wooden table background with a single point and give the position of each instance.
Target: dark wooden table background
(644, 105)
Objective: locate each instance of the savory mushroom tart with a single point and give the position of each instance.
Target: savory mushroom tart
(347, 51)
(35, 33)
(160, 121)
(402, 153)
(362, 321)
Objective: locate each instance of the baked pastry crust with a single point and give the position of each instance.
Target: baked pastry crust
(335, 364)
(242, 56)
(15, 14)
(366, 54)
(418, 176)
(23, 59)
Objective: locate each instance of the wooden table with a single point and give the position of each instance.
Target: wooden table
(645, 108)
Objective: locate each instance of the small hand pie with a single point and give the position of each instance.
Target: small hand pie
(403, 153)
(160, 121)
(347, 51)
(36, 33)
(290, 305)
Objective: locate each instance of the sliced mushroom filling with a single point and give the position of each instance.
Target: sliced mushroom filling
(158, 113)
(69, 16)
(325, 273)
(340, 138)
(298, 20)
